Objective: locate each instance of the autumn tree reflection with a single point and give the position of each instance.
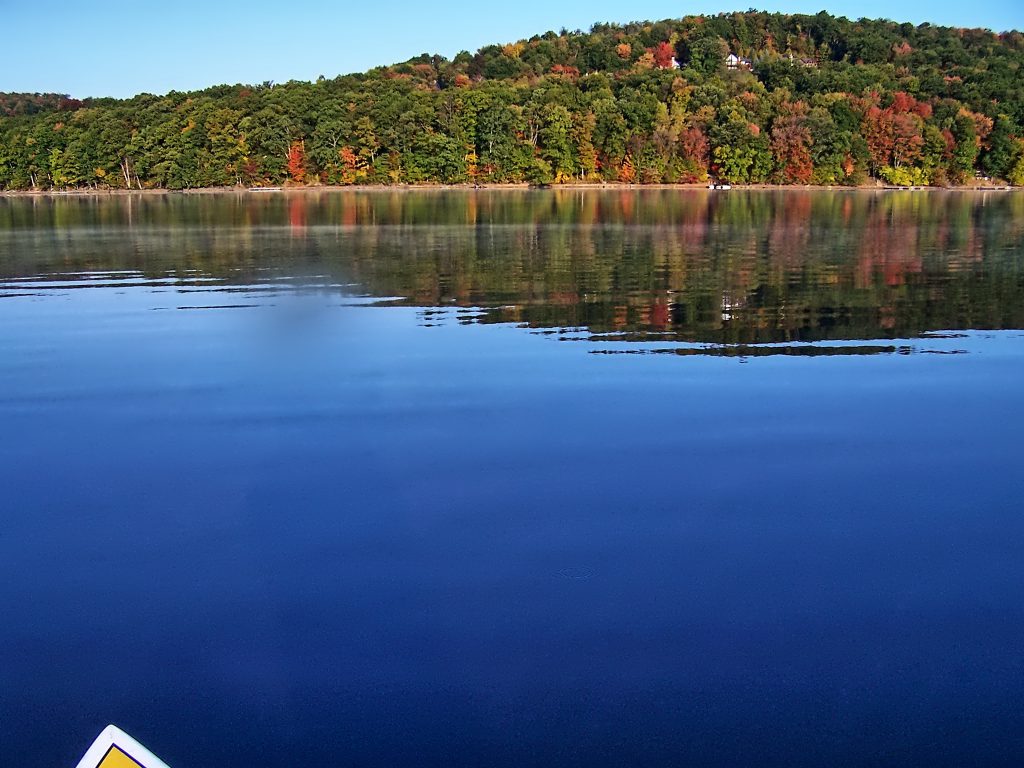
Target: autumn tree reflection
(739, 268)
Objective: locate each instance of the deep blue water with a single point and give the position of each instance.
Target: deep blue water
(255, 515)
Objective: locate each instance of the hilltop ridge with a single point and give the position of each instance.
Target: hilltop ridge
(746, 97)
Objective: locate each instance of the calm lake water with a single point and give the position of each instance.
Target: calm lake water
(514, 478)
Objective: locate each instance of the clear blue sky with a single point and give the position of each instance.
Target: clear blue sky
(119, 48)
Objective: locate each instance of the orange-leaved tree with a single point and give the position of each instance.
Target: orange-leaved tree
(297, 161)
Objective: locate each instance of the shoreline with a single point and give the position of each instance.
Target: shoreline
(523, 187)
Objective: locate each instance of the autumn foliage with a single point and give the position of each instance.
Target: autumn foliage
(790, 143)
(663, 55)
(744, 98)
(297, 162)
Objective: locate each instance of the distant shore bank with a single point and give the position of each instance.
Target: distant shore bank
(606, 186)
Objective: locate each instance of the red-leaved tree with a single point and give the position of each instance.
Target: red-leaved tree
(297, 161)
(791, 142)
(694, 146)
(663, 55)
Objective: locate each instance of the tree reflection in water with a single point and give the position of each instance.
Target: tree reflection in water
(737, 268)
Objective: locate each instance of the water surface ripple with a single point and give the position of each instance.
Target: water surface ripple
(514, 478)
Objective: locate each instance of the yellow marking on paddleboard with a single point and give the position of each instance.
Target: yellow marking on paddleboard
(115, 758)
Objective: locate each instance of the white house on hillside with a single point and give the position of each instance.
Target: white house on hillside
(732, 61)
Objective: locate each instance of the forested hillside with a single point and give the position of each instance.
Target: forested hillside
(743, 97)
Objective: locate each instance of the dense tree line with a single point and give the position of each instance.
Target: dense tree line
(813, 99)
